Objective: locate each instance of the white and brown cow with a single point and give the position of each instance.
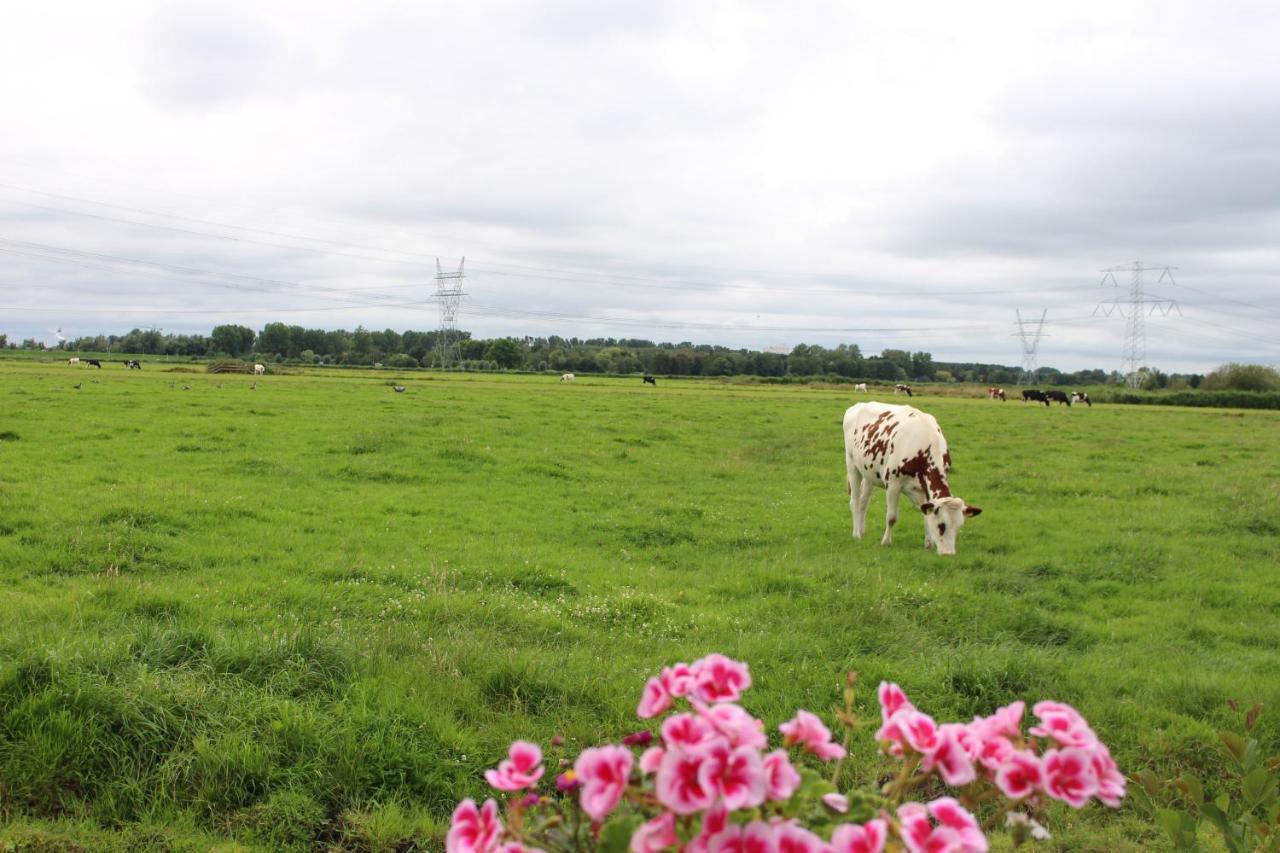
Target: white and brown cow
(996, 394)
(861, 386)
(567, 377)
(902, 449)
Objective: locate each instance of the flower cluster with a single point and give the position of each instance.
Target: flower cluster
(709, 782)
(1076, 769)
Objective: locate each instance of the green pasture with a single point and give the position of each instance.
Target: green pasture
(311, 612)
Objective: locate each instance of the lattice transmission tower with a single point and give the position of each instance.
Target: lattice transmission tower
(1030, 343)
(1139, 307)
(449, 294)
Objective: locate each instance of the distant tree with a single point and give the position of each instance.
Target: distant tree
(1242, 377)
(505, 352)
(232, 340)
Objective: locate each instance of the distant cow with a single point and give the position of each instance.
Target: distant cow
(1081, 397)
(567, 377)
(996, 394)
(132, 364)
(902, 389)
(901, 449)
(649, 380)
(1059, 396)
(259, 369)
(861, 386)
(1034, 394)
(399, 389)
(93, 362)
(73, 360)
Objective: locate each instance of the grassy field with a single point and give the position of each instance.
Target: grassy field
(315, 610)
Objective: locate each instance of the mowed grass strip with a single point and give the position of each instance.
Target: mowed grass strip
(316, 610)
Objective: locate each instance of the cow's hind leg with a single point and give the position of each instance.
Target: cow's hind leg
(891, 513)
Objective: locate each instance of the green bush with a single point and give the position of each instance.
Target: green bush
(1242, 377)
(1210, 399)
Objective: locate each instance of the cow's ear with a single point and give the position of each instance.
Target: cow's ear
(926, 507)
(971, 510)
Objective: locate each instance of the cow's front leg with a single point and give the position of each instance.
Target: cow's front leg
(891, 513)
(928, 537)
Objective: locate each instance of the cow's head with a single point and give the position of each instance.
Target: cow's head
(944, 517)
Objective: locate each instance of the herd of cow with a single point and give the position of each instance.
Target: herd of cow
(1046, 397)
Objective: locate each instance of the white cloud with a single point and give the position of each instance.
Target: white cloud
(731, 164)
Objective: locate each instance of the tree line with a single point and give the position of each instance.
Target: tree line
(284, 343)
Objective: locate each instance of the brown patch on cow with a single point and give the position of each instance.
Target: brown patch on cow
(875, 435)
(933, 481)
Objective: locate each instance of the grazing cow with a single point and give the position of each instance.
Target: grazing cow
(861, 386)
(132, 364)
(1081, 397)
(1034, 394)
(902, 389)
(567, 377)
(901, 449)
(649, 380)
(1060, 396)
(259, 369)
(996, 394)
(399, 389)
(93, 362)
(73, 360)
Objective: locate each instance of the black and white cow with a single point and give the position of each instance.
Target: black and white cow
(1081, 397)
(93, 362)
(902, 449)
(1034, 394)
(132, 364)
(902, 389)
(649, 380)
(1058, 396)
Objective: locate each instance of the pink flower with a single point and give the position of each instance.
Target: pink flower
(892, 700)
(755, 837)
(1069, 776)
(1006, 721)
(1019, 775)
(808, 731)
(651, 760)
(867, 838)
(603, 771)
(735, 775)
(686, 730)
(679, 784)
(641, 738)
(733, 722)
(1110, 781)
(473, 830)
(992, 751)
(1064, 724)
(719, 679)
(949, 755)
(918, 730)
(836, 802)
(520, 769)
(781, 778)
(658, 834)
(714, 821)
(793, 838)
(654, 700)
(956, 831)
(679, 679)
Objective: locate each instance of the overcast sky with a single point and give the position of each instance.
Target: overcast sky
(752, 174)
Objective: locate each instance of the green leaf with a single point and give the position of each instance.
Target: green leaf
(1142, 801)
(1252, 756)
(1258, 786)
(615, 835)
(1234, 744)
(1194, 789)
(1215, 814)
(1180, 827)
